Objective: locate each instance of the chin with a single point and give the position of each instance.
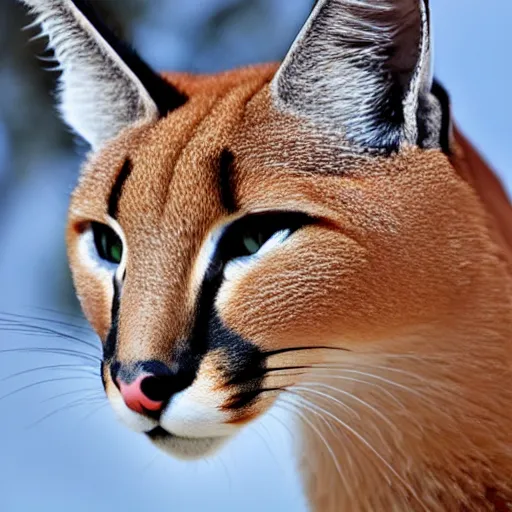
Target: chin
(186, 448)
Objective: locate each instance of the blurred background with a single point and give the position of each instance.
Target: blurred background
(60, 447)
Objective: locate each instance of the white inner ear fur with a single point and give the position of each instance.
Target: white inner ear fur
(336, 74)
(99, 95)
(421, 82)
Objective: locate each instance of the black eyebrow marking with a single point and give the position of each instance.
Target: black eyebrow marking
(117, 189)
(227, 196)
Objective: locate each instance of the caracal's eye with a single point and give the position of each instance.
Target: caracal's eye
(253, 236)
(253, 241)
(256, 234)
(108, 245)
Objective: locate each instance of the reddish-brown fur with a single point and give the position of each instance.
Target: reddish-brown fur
(409, 268)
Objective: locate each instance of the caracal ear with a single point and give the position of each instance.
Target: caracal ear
(363, 68)
(104, 86)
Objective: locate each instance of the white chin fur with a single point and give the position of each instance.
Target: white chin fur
(189, 448)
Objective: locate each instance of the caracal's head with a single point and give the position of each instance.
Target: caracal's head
(229, 232)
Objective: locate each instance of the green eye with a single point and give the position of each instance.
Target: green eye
(108, 244)
(254, 242)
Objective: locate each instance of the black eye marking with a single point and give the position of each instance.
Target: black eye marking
(109, 348)
(117, 189)
(226, 165)
(245, 236)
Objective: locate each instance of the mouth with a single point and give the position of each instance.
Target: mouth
(159, 433)
(188, 448)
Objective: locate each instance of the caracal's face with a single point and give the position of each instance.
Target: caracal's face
(249, 242)
(232, 235)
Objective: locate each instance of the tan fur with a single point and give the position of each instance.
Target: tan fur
(409, 268)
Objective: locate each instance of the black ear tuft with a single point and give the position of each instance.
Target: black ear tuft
(443, 129)
(166, 97)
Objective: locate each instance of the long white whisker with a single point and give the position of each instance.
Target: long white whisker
(296, 410)
(366, 383)
(364, 441)
(359, 400)
(382, 379)
(328, 397)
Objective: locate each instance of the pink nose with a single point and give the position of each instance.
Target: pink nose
(140, 395)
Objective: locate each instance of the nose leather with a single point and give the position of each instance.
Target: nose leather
(134, 397)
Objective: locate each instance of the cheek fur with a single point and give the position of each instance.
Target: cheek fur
(291, 296)
(93, 285)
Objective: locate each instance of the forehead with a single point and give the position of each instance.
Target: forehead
(177, 169)
(172, 157)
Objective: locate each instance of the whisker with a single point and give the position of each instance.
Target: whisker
(62, 323)
(271, 353)
(286, 368)
(365, 383)
(90, 399)
(296, 410)
(365, 442)
(281, 422)
(358, 400)
(37, 329)
(372, 366)
(61, 313)
(329, 397)
(400, 371)
(265, 442)
(68, 393)
(92, 413)
(244, 398)
(147, 466)
(49, 350)
(34, 384)
(225, 467)
(76, 367)
(237, 381)
(377, 377)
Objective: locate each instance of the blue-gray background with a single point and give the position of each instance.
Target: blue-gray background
(79, 458)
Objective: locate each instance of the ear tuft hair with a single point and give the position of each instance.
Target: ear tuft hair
(362, 68)
(104, 86)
